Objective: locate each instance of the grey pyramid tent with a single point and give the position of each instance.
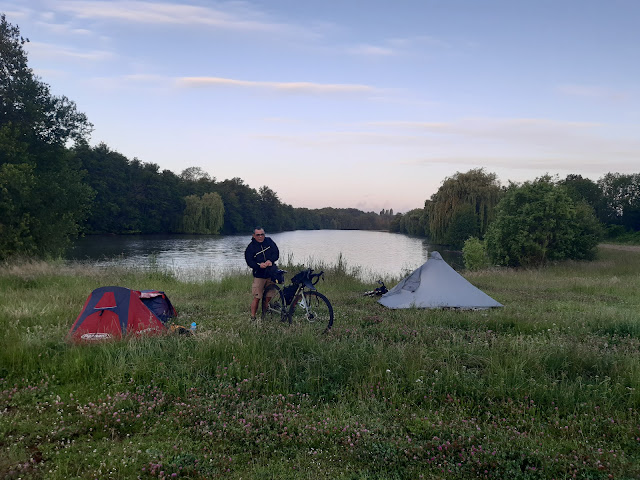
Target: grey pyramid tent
(436, 285)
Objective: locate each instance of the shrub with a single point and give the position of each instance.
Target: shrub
(474, 254)
(538, 222)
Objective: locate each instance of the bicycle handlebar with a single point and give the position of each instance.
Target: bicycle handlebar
(315, 277)
(307, 277)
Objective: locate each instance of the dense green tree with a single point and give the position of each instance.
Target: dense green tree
(194, 174)
(586, 190)
(538, 222)
(622, 196)
(27, 103)
(16, 185)
(476, 189)
(463, 224)
(425, 218)
(241, 206)
(195, 181)
(148, 195)
(411, 223)
(45, 199)
(203, 215)
(350, 219)
(171, 200)
(306, 219)
(289, 217)
(271, 211)
(131, 196)
(108, 175)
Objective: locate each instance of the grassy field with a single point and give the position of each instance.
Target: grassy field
(547, 387)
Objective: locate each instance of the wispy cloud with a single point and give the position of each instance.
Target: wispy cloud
(37, 49)
(229, 16)
(397, 46)
(44, 18)
(284, 87)
(63, 28)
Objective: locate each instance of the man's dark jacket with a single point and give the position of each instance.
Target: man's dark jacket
(258, 252)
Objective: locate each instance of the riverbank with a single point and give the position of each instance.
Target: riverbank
(209, 257)
(547, 387)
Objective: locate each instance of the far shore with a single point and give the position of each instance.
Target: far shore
(619, 246)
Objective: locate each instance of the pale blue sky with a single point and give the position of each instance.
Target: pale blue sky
(365, 104)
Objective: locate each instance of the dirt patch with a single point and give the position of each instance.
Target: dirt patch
(615, 246)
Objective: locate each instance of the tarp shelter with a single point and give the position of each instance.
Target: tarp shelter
(113, 312)
(436, 285)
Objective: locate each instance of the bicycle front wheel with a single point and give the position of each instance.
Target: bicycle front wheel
(273, 306)
(315, 311)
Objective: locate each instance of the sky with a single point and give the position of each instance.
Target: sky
(349, 104)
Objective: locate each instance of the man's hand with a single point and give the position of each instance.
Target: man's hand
(265, 264)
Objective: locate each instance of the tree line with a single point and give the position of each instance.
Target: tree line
(527, 223)
(55, 186)
(136, 197)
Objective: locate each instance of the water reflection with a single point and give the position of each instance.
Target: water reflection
(373, 254)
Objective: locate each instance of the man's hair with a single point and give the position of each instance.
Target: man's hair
(257, 228)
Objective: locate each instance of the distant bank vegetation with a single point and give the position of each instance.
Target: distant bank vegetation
(54, 186)
(546, 219)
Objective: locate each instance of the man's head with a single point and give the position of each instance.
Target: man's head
(258, 234)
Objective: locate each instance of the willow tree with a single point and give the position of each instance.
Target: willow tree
(476, 192)
(203, 215)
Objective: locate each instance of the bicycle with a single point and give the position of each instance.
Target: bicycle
(378, 291)
(298, 302)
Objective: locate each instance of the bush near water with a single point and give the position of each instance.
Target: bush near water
(546, 387)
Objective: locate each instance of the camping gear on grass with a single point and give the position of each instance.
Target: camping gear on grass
(181, 330)
(436, 285)
(115, 312)
(378, 291)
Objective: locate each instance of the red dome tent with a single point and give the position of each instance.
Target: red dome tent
(114, 312)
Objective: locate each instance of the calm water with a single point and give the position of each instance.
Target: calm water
(373, 254)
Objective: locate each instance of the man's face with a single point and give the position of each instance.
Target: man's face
(258, 235)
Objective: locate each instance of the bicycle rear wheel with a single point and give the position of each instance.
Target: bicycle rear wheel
(316, 311)
(273, 306)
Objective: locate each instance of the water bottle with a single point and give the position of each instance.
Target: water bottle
(193, 327)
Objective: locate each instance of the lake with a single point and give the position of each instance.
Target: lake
(370, 254)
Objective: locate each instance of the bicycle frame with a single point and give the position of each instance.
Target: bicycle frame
(319, 310)
(297, 299)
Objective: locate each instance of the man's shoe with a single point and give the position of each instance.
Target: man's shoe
(253, 318)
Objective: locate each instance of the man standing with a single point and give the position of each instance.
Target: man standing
(261, 254)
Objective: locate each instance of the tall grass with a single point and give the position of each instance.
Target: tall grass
(546, 387)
